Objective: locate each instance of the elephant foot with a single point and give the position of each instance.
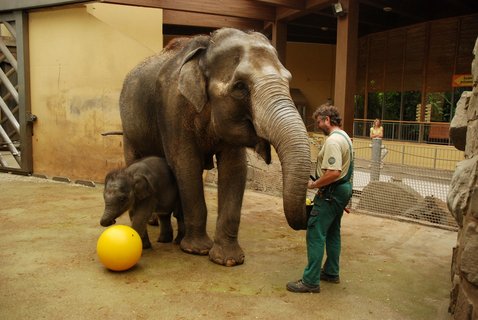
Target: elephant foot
(165, 238)
(197, 245)
(165, 233)
(179, 238)
(147, 244)
(227, 255)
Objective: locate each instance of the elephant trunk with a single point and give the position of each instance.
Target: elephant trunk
(277, 120)
(108, 218)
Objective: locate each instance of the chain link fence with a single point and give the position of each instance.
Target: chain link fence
(411, 182)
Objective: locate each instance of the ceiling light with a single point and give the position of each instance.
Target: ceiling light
(338, 10)
(387, 9)
(324, 28)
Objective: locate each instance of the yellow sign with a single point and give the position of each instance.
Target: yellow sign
(462, 80)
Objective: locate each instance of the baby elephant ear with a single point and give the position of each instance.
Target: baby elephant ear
(192, 83)
(142, 187)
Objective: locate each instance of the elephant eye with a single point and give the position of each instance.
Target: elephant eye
(239, 90)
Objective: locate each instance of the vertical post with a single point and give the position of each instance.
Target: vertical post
(279, 39)
(23, 73)
(421, 131)
(346, 63)
(376, 158)
(403, 154)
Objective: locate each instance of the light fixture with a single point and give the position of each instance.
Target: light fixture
(387, 9)
(324, 28)
(338, 10)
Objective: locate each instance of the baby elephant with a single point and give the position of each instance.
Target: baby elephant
(143, 187)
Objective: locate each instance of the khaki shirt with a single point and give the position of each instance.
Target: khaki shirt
(334, 155)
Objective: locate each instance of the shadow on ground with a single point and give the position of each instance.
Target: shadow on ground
(49, 268)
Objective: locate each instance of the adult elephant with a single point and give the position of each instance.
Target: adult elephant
(215, 95)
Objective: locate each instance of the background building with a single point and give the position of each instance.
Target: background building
(64, 62)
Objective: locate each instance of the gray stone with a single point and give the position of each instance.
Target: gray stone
(376, 198)
(474, 203)
(459, 193)
(454, 294)
(458, 125)
(471, 149)
(462, 201)
(436, 211)
(86, 183)
(463, 308)
(469, 256)
(38, 175)
(61, 179)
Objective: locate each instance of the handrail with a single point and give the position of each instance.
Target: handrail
(410, 131)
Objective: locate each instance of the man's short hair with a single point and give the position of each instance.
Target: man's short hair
(328, 110)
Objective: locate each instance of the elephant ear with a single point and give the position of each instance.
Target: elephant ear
(192, 82)
(142, 187)
(263, 148)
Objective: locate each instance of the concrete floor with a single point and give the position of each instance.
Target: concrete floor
(49, 268)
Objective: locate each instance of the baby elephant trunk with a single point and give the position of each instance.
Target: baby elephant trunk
(108, 218)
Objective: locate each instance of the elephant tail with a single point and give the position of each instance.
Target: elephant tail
(112, 133)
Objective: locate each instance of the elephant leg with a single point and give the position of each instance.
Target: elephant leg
(153, 220)
(165, 228)
(128, 151)
(139, 216)
(232, 171)
(191, 191)
(178, 214)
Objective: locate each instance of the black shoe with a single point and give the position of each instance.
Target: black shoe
(325, 277)
(300, 286)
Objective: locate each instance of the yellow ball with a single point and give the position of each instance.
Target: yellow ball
(119, 247)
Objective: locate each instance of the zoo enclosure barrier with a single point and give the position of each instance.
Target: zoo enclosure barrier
(15, 115)
(412, 184)
(410, 131)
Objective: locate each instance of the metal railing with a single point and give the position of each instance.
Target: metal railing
(410, 131)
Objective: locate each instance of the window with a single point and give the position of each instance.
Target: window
(410, 101)
(440, 103)
(391, 109)
(359, 106)
(375, 102)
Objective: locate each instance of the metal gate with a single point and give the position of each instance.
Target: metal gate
(15, 116)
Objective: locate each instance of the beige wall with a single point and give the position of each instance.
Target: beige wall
(78, 58)
(313, 72)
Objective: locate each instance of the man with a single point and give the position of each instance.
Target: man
(334, 170)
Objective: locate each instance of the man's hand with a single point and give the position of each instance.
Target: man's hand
(310, 184)
(327, 178)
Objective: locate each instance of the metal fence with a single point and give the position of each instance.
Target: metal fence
(410, 131)
(411, 183)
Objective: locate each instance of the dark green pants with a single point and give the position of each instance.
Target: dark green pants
(323, 233)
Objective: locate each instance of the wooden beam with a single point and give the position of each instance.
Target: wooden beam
(294, 4)
(287, 14)
(209, 20)
(346, 63)
(232, 8)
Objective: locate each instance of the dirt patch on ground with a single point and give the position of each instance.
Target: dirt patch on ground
(49, 268)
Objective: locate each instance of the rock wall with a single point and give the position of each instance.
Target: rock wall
(463, 204)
